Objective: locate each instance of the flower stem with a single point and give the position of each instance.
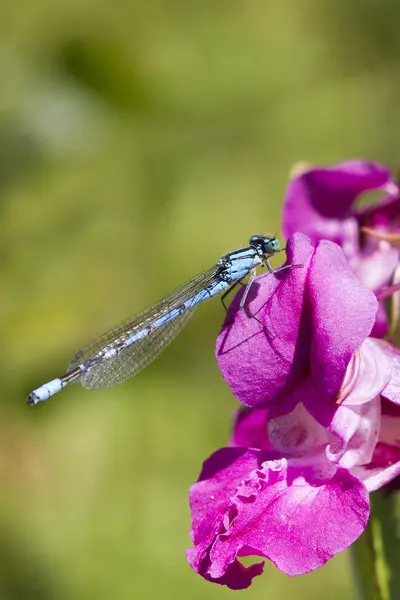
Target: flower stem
(376, 554)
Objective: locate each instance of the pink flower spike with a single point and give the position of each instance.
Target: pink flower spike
(320, 427)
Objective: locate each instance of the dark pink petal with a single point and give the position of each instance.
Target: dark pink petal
(388, 291)
(319, 202)
(343, 315)
(278, 511)
(236, 576)
(383, 214)
(250, 429)
(381, 326)
(260, 364)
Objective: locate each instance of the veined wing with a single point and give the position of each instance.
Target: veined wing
(132, 359)
(128, 361)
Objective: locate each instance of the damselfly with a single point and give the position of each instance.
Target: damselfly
(124, 351)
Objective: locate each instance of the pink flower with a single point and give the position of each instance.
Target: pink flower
(321, 202)
(320, 433)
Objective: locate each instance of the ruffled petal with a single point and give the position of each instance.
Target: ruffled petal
(211, 505)
(278, 511)
(222, 472)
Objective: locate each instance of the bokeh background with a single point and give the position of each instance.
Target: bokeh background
(139, 141)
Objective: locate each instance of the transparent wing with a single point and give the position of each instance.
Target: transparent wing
(134, 358)
(106, 372)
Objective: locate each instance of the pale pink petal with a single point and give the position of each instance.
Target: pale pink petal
(368, 373)
(392, 390)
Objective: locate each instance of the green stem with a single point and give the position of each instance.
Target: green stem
(376, 554)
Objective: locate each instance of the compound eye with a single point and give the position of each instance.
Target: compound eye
(273, 245)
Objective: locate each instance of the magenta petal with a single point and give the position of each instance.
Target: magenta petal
(235, 577)
(250, 430)
(209, 496)
(384, 213)
(319, 201)
(381, 326)
(344, 313)
(258, 363)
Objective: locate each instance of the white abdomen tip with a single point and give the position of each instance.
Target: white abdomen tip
(44, 391)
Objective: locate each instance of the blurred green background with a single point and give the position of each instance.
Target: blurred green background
(139, 141)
